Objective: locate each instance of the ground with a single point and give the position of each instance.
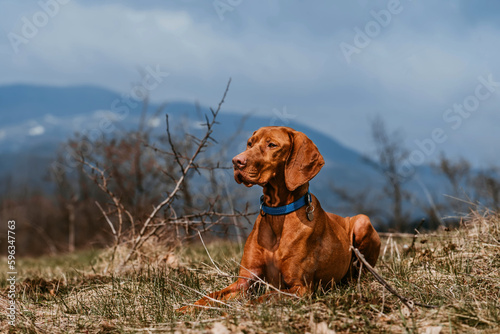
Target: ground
(457, 271)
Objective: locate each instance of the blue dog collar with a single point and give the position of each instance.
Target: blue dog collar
(283, 210)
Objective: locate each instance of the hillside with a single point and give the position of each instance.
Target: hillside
(35, 120)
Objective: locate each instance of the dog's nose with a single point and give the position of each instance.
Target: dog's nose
(239, 161)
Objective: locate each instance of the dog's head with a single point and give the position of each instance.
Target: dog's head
(278, 153)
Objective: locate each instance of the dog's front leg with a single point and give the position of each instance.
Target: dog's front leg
(238, 288)
(296, 291)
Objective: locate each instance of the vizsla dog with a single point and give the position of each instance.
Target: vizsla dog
(295, 245)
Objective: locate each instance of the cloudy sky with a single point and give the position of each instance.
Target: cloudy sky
(429, 68)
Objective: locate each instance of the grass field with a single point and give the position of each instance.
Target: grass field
(457, 271)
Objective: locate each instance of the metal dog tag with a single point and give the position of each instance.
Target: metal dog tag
(310, 207)
(310, 216)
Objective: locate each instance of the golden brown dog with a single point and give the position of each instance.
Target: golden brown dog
(299, 250)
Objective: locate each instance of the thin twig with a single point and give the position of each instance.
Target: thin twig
(141, 238)
(415, 236)
(107, 219)
(210, 257)
(395, 235)
(200, 293)
(172, 146)
(216, 214)
(103, 185)
(260, 280)
(359, 279)
(409, 303)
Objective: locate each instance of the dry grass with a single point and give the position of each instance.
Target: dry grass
(458, 271)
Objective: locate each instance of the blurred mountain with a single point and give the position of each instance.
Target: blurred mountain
(35, 120)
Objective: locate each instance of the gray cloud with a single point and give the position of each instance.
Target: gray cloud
(427, 57)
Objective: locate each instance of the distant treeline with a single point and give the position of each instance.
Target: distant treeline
(106, 191)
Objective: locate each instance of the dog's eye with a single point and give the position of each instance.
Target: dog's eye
(272, 145)
(249, 144)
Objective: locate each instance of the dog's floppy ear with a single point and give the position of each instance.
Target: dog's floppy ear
(304, 161)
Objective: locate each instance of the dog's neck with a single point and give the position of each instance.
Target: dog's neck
(277, 194)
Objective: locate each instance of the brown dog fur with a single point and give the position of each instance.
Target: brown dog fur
(289, 251)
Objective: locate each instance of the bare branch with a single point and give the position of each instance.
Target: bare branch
(107, 219)
(142, 236)
(408, 303)
(172, 146)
